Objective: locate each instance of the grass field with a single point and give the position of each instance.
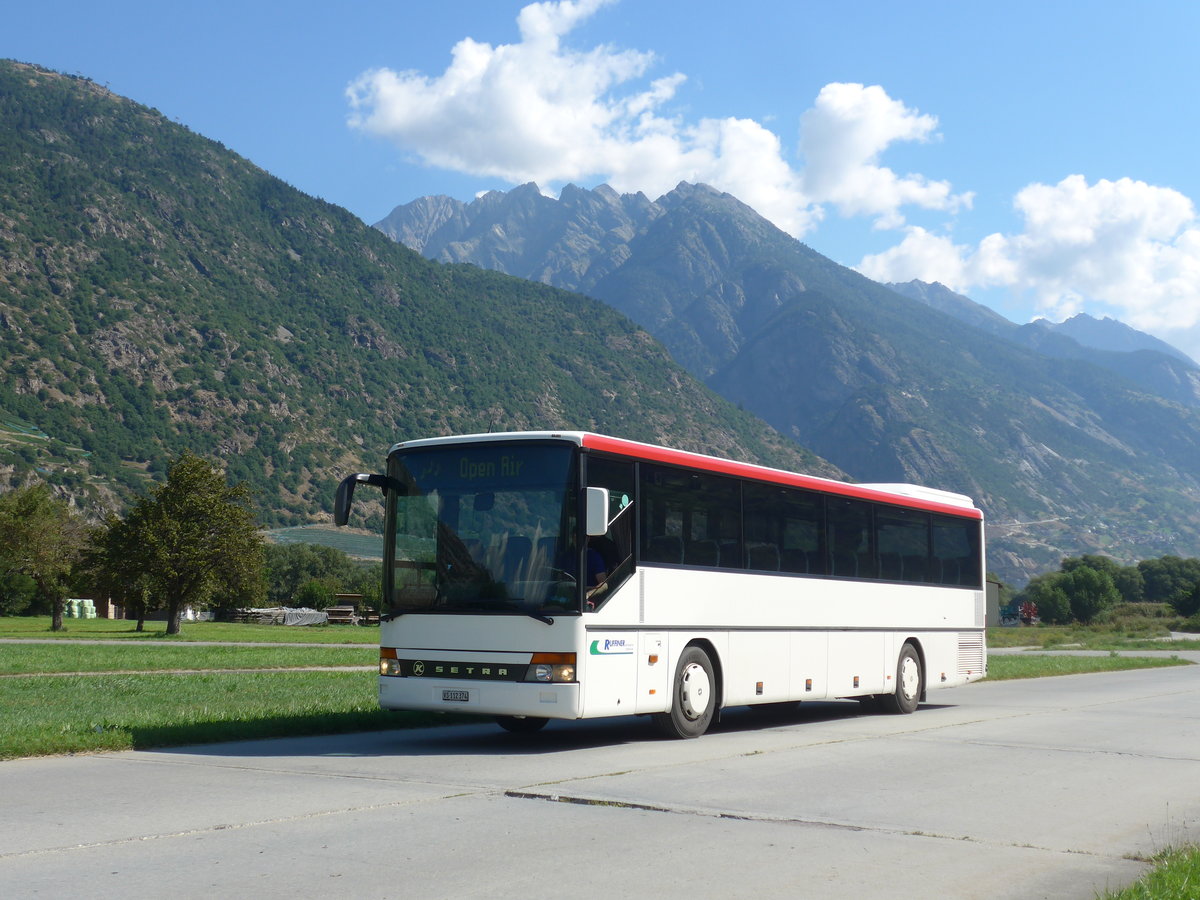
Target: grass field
(113, 688)
(53, 659)
(122, 630)
(73, 714)
(1134, 626)
(1039, 665)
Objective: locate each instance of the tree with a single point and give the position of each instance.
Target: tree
(316, 594)
(1188, 605)
(292, 566)
(42, 539)
(1047, 593)
(193, 536)
(366, 581)
(112, 561)
(1127, 579)
(17, 594)
(1089, 592)
(1169, 578)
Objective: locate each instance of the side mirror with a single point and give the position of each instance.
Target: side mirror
(597, 511)
(345, 493)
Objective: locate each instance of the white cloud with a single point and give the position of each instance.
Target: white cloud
(1123, 248)
(1127, 244)
(522, 112)
(842, 139)
(922, 255)
(540, 111)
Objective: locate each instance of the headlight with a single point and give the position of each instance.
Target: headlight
(551, 668)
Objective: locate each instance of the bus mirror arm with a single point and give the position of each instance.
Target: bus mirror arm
(345, 492)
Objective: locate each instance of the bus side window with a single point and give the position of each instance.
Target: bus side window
(902, 536)
(956, 552)
(784, 528)
(851, 550)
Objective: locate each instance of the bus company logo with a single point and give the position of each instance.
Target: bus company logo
(420, 668)
(611, 647)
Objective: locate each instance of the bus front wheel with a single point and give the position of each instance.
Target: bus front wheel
(694, 699)
(909, 679)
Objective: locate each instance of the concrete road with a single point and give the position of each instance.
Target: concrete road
(1054, 787)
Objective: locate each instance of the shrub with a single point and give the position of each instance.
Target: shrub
(1188, 604)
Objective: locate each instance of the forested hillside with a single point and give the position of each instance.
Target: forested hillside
(159, 292)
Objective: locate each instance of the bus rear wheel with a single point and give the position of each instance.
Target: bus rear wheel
(521, 724)
(694, 699)
(909, 681)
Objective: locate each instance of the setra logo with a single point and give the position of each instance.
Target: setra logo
(611, 647)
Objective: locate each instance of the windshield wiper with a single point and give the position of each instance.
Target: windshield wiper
(540, 618)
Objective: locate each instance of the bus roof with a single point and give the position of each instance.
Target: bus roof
(909, 495)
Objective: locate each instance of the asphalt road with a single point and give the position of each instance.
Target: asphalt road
(1052, 787)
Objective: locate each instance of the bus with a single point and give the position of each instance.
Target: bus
(566, 575)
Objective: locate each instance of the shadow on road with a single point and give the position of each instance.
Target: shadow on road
(465, 735)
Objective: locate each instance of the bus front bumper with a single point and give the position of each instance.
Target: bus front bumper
(504, 698)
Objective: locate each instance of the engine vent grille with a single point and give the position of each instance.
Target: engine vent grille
(972, 657)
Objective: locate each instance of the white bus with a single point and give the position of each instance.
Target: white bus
(567, 575)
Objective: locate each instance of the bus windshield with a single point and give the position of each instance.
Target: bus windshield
(485, 528)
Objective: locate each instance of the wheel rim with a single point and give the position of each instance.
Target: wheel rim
(694, 691)
(910, 677)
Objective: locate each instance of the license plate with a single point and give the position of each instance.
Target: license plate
(458, 696)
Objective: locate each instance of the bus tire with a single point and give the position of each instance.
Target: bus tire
(694, 698)
(910, 680)
(521, 724)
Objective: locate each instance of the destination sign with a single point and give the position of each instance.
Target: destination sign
(483, 467)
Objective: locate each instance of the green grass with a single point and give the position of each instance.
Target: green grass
(1080, 637)
(121, 629)
(178, 696)
(32, 659)
(1035, 665)
(1128, 626)
(1176, 877)
(74, 714)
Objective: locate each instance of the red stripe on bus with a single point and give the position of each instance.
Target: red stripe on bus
(652, 453)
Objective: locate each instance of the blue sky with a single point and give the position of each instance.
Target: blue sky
(1037, 156)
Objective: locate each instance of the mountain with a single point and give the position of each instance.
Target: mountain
(1147, 362)
(159, 292)
(963, 308)
(1109, 334)
(1066, 454)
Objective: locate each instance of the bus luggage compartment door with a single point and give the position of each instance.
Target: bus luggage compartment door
(653, 674)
